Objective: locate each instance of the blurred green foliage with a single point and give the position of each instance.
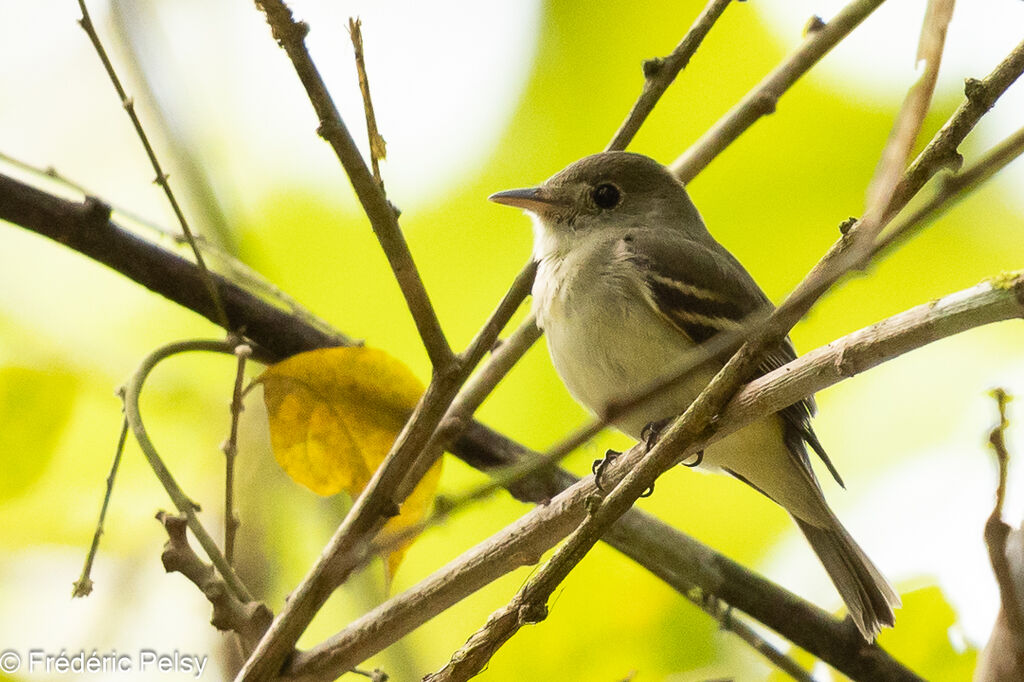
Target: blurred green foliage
(34, 409)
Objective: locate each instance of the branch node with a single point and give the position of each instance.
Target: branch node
(531, 613)
(766, 102)
(813, 25)
(847, 225)
(653, 66)
(96, 214)
(975, 90)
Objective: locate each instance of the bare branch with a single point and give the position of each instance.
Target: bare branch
(161, 177)
(83, 586)
(290, 35)
(87, 228)
(660, 72)
(952, 188)
(181, 501)
(997, 532)
(230, 448)
(762, 100)
(247, 619)
(915, 108)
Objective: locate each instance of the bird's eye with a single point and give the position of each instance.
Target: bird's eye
(606, 195)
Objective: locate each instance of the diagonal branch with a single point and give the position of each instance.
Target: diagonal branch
(660, 72)
(290, 35)
(762, 100)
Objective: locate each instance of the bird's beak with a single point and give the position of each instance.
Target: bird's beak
(533, 199)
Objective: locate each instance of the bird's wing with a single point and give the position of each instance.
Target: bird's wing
(702, 290)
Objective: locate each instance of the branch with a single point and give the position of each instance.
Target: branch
(660, 72)
(248, 619)
(291, 35)
(83, 586)
(762, 100)
(674, 557)
(378, 148)
(161, 177)
(915, 106)
(87, 228)
(181, 501)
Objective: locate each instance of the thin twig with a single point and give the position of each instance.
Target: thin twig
(291, 35)
(83, 586)
(914, 109)
(762, 100)
(893, 161)
(181, 501)
(230, 448)
(161, 177)
(998, 531)
(660, 72)
(951, 188)
(378, 147)
(730, 623)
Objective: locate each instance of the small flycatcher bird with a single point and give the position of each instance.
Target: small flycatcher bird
(629, 281)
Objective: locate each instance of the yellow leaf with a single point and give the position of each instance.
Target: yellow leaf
(334, 414)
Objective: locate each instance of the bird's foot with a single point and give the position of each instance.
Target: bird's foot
(652, 432)
(698, 458)
(599, 466)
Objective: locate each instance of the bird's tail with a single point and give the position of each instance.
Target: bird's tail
(869, 597)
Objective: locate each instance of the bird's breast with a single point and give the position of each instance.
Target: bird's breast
(605, 340)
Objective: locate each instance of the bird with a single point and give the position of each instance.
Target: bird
(629, 282)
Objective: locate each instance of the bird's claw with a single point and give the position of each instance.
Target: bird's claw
(599, 466)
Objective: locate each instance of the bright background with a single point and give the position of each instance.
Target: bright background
(473, 98)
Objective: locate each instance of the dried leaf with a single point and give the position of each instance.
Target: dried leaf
(334, 414)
